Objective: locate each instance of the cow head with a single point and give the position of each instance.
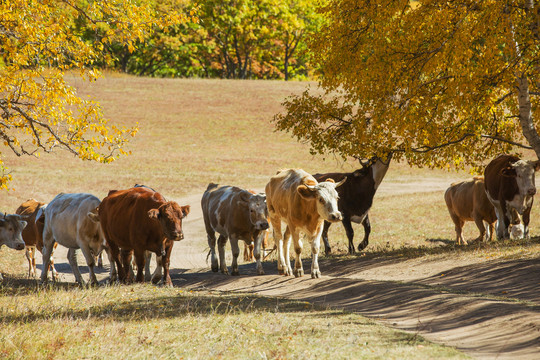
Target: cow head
(11, 227)
(256, 205)
(523, 171)
(326, 196)
(170, 216)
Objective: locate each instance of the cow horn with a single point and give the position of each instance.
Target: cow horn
(341, 182)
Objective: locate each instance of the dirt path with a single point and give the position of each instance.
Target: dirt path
(488, 309)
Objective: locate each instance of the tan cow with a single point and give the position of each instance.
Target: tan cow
(33, 234)
(467, 201)
(296, 198)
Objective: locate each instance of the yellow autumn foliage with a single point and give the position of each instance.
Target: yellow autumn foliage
(39, 42)
(435, 82)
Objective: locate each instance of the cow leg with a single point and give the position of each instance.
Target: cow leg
(90, 261)
(287, 249)
(30, 256)
(113, 274)
(259, 239)
(48, 242)
(115, 254)
(350, 233)
(147, 259)
(72, 259)
(526, 219)
(158, 273)
(52, 268)
(458, 226)
(327, 248)
(504, 221)
(212, 245)
(315, 245)
(125, 257)
(165, 261)
(235, 252)
(278, 239)
(480, 225)
(222, 240)
(139, 260)
(367, 231)
(298, 268)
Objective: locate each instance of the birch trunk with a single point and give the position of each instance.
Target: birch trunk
(525, 114)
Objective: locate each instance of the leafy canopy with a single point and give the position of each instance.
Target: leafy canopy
(39, 42)
(438, 83)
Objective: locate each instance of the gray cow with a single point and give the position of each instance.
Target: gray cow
(235, 214)
(11, 227)
(67, 222)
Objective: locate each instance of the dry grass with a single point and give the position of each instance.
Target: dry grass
(162, 323)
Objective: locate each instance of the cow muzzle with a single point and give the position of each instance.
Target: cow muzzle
(531, 191)
(177, 236)
(19, 247)
(262, 225)
(335, 217)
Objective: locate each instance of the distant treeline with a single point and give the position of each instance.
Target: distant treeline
(234, 39)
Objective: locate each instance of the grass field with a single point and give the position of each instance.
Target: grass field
(193, 132)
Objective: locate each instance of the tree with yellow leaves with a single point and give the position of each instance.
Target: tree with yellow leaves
(39, 42)
(437, 83)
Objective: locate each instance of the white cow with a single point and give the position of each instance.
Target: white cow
(296, 198)
(11, 227)
(67, 222)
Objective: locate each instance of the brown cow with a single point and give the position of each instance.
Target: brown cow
(33, 235)
(467, 201)
(140, 219)
(510, 184)
(295, 197)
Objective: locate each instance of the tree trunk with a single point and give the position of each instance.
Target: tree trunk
(525, 114)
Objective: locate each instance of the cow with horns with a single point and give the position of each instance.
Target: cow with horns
(356, 197)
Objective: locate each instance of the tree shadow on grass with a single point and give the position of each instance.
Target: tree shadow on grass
(159, 307)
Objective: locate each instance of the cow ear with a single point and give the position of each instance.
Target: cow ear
(244, 196)
(242, 203)
(306, 192)
(185, 210)
(93, 216)
(330, 180)
(509, 172)
(23, 224)
(153, 214)
(537, 165)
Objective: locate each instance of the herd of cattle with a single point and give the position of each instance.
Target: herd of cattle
(140, 221)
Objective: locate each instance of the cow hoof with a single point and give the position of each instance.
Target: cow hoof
(327, 251)
(235, 273)
(215, 268)
(362, 246)
(156, 280)
(225, 272)
(298, 272)
(315, 274)
(260, 272)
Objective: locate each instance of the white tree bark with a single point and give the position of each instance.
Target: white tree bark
(525, 114)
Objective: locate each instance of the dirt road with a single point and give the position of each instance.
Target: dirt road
(486, 308)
